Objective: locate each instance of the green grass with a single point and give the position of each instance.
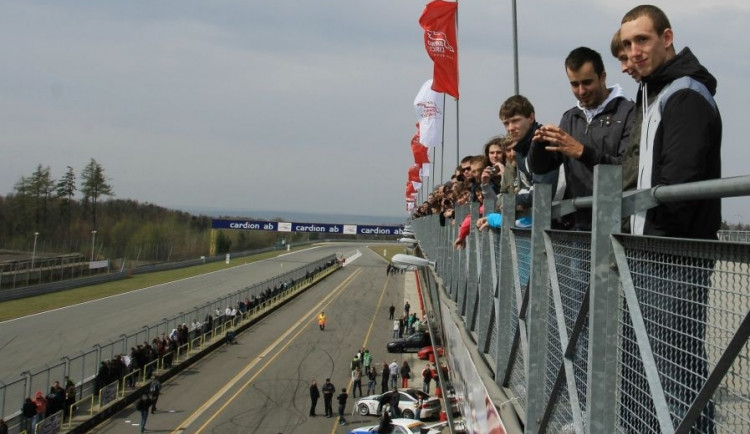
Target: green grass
(31, 305)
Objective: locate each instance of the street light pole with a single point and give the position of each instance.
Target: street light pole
(33, 252)
(93, 237)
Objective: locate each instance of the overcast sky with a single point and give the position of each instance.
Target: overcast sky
(299, 105)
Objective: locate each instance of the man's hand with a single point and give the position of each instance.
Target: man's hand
(482, 223)
(559, 141)
(459, 244)
(490, 171)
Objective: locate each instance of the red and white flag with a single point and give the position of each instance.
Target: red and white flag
(429, 107)
(421, 156)
(411, 191)
(439, 23)
(414, 173)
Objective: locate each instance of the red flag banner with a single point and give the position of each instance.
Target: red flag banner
(419, 150)
(410, 190)
(414, 174)
(439, 23)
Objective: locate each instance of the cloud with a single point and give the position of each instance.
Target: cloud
(296, 105)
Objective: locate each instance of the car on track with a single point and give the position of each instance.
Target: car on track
(411, 343)
(425, 352)
(402, 426)
(374, 404)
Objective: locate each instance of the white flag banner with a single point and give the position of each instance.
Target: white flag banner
(424, 172)
(417, 185)
(429, 107)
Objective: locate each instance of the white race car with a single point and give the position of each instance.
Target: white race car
(408, 402)
(402, 426)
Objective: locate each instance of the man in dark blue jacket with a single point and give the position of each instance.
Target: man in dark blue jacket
(595, 131)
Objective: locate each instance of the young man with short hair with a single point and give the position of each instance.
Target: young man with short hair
(682, 143)
(595, 131)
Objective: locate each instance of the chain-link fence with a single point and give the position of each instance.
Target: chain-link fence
(604, 332)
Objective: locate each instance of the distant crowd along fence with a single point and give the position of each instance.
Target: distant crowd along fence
(601, 331)
(83, 367)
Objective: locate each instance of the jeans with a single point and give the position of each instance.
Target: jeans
(144, 416)
(327, 402)
(395, 412)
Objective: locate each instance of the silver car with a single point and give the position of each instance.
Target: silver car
(408, 402)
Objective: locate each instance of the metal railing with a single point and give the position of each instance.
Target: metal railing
(84, 365)
(594, 332)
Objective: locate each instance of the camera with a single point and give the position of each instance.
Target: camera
(493, 170)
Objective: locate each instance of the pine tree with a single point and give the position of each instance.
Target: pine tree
(94, 185)
(65, 190)
(41, 186)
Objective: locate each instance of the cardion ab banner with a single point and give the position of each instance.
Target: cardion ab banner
(321, 228)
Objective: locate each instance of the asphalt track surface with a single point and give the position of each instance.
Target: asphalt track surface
(261, 385)
(31, 342)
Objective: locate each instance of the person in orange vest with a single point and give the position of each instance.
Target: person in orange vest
(322, 320)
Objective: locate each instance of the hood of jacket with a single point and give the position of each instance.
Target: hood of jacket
(683, 64)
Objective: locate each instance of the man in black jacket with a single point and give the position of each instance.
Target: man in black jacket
(328, 390)
(595, 131)
(681, 144)
(28, 411)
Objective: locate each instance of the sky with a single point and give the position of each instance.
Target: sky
(301, 105)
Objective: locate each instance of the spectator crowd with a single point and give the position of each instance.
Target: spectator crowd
(669, 133)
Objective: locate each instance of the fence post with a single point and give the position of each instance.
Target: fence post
(474, 248)
(487, 279)
(66, 359)
(503, 301)
(536, 321)
(603, 310)
(27, 383)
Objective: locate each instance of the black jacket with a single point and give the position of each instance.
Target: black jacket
(604, 141)
(687, 148)
(525, 178)
(29, 408)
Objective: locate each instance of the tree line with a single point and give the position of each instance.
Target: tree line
(61, 215)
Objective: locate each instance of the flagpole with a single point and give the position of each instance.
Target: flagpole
(458, 140)
(442, 145)
(433, 170)
(515, 48)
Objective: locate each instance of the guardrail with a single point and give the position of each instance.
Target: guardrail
(85, 365)
(600, 331)
(50, 281)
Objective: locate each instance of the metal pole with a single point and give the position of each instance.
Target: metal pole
(515, 48)
(442, 144)
(93, 237)
(33, 252)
